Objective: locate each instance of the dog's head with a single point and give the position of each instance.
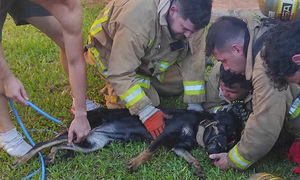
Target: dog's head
(220, 132)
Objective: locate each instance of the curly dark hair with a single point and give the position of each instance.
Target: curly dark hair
(280, 45)
(198, 11)
(229, 79)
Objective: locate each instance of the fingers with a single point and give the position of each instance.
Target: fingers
(220, 160)
(24, 94)
(214, 156)
(70, 136)
(20, 100)
(15, 90)
(75, 137)
(78, 138)
(216, 159)
(78, 130)
(157, 132)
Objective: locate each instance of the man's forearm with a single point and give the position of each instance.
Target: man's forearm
(78, 82)
(69, 15)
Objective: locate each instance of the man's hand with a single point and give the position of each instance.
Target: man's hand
(220, 160)
(155, 124)
(80, 127)
(15, 90)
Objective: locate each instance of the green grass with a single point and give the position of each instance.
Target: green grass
(34, 59)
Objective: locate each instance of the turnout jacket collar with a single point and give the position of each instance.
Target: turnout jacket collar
(252, 27)
(162, 11)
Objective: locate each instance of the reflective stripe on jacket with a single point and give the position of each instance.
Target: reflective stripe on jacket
(295, 109)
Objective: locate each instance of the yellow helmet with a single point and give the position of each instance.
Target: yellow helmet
(264, 176)
(280, 9)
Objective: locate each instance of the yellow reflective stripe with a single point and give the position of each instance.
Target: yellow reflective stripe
(150, 43)
(295, 109)
(89, 39)
(101, 68)
(194, 87)
(163, 66)
(97, 26)
(133, 95)
(144, 81)
(95, 56)
(94, 52)
(160, 77)
(103, 73)
(237, 159)
(270, 177)
(216, 109)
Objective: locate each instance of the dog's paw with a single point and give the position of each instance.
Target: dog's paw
(197, 170)
(49, 160)
(68, 155)
(15, 164)
(199, 173)
(133, 165)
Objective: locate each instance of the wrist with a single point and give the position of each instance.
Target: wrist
(6, 75)
(147, 112)
(80, 114)
(5, 70)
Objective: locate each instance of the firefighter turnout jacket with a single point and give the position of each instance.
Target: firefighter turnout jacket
(270, 109)
(130, 42)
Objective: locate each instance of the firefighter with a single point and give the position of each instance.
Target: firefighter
(144, 49)
(233, 42)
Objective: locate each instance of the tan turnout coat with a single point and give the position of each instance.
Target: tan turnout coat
(132, 38)
(270, 109)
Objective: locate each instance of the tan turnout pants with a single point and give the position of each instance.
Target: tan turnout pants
(172, 85)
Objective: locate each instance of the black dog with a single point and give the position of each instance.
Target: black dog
(179, 134)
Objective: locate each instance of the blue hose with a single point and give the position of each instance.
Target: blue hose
(42, 112)
(28, 136)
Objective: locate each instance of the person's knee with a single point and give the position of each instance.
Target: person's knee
(49, 26)
(152, 94)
